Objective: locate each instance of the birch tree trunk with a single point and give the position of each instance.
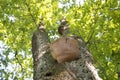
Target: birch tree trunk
(46, 68)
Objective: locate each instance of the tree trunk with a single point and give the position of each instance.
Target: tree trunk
(46, 68)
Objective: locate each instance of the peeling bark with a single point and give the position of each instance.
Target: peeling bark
(46, 68)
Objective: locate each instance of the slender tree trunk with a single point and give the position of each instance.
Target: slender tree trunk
(46, 68)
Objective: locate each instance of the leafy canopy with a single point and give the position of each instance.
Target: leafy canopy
(97, 21)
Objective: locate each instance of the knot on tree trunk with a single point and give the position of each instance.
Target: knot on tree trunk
(65, 49)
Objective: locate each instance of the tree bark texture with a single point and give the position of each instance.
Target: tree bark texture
(46, 68)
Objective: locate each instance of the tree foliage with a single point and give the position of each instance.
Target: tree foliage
(97, 21)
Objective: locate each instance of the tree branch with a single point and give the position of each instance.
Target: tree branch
(29, 10)
(22, 69)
